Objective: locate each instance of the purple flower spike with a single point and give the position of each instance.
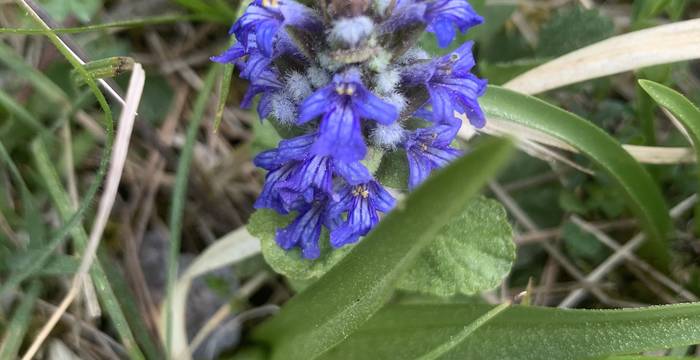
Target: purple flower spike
(264, 18)
(339, 72)
(343, 103)
(451, 86)
(362, 202)
(428, 149)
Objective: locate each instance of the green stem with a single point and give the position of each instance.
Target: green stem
(156, 20)
(179, 195)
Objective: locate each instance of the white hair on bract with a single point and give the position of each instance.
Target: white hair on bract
(351, 31)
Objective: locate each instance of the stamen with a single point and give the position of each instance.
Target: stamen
(360, 190)
(345, 89)
(350, 90)
(271, 3)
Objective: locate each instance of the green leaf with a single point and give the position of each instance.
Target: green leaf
(393, 170)
(472, 253)
(224, 88)
(647, 357)
(266, 136)
(573, 29)
(263, 225)
(58, 264)
(401, 331)
(685, 111)
(502, 72)
(644, 10)
(344, 298)
(454, 340)
(642, 194)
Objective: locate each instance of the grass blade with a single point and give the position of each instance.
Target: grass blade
(671, 43)
(687, 114)
(352, 291)
(104, 290)
(643, 196)
(126, 24)
(14, 334)
(522, 333)
(179, 197)
(223, 94)
(458, 338)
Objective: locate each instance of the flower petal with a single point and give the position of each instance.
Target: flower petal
(343, 235)
(316, 104)
(444, 31)
(418, 169)
(381, 199)
(353, 172)
(231, 54)
(441, 102)
(265, 35)
(340, 136)
(440, 157)
(296, 148)
(369, 106)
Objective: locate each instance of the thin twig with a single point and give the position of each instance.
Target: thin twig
(92, 305)
(525, 220)
(658, 276)
(622, 253)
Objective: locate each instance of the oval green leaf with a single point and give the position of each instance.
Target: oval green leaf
(521, 333)
(642, 194)
(328, 311)
(472, 253)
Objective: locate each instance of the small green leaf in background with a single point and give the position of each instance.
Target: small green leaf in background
(644, 10)
(328, 311)
(393, 170)
(521, 332)
(472, 253)
(264, 224)
(266, 136)
(582, 246)
(156, 100)
(573, 29)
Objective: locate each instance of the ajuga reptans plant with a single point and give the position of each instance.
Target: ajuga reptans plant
(343, 79)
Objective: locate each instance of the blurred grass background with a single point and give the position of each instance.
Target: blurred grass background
(53, 135)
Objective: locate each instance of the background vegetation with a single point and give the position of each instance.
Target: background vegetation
(188, 185)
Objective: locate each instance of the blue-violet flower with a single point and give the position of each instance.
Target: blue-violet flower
(346, 84)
